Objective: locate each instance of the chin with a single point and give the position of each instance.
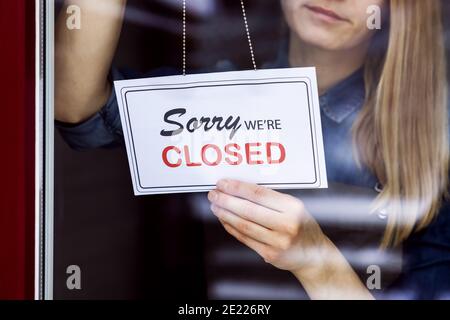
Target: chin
(320, 38)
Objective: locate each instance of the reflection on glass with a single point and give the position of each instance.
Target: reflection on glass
(376, 232)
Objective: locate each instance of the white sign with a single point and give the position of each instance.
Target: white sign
(184, 133)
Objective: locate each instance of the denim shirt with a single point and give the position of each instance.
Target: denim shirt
(426, 264)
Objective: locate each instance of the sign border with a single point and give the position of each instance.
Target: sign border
(179, 86)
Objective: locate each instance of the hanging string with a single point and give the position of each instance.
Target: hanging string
(247, 30)
(184, 38)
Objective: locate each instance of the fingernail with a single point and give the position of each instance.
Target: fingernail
(215, 210)
(212, 195)
(222, 184)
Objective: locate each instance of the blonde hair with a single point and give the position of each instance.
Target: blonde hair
(401, 133)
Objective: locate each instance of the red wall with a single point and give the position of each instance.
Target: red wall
(17, 65)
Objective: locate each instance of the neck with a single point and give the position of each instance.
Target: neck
(331, 66)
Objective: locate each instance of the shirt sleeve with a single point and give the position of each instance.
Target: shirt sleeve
(102, 130)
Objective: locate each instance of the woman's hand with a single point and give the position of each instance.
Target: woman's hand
(274, 224)
(280, 230)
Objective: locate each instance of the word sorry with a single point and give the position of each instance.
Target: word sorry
(194, 124)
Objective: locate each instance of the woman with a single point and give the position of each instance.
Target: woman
(388, 94)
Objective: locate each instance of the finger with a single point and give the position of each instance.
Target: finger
(247, 210)
(246, 227)
(256, 246)
(258, 194)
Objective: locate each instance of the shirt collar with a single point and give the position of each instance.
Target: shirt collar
(344, 98)
(341, 100)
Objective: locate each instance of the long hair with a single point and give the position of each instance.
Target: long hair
(401, 133)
